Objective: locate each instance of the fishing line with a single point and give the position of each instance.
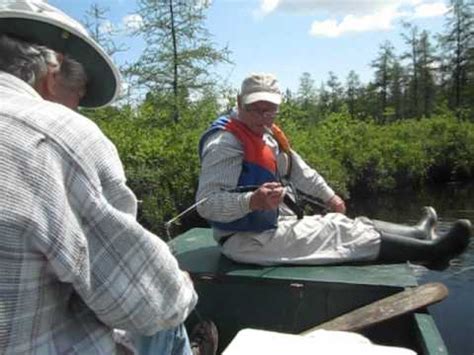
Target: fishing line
(294, 205)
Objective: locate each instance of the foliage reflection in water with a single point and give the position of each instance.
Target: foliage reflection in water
(455, 315)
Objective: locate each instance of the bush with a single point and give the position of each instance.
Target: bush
(162, 166)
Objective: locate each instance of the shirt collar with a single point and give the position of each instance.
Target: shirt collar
(12, 83)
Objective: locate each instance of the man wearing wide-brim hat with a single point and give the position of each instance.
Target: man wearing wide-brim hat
(74, 262)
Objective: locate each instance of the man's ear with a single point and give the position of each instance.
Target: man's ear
(47, 85)
(238, 101)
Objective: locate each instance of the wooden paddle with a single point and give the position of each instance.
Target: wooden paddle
(400, 303)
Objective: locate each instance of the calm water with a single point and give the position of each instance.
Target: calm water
(454, 316)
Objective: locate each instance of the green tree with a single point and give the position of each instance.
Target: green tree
(412, 40)
(178, 52)
(306, 91)
(383, 67)
(324, 100)
(397, 84)
(102, 30)
(427, 76)
(457, 44)
(335, 93)
(353, 93)
(421, 90)
(306, 97)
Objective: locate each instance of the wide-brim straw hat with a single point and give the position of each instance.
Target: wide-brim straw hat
(38, 22)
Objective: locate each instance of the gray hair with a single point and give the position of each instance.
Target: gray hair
(31, 62)
(24, 60)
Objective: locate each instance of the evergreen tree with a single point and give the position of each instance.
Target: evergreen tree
(306, 97)
(397, 85)
(412, 40)
(421, 90)
(457, 44)
(335, 92)
(306, 91)
(426, 65)
(369, 102)
(383, 65)
(323, 105)
(353, 92)
(102, 30)
(178, 51)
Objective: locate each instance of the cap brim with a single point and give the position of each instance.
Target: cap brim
(103, 84)
(274, 98)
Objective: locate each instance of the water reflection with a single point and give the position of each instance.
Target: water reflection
(455, 315)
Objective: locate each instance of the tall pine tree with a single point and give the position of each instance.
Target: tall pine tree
(383, 65)
(306, 97)
(412, 40)
(458, 47)
(353, 93)
(427, 61)
(178, 52)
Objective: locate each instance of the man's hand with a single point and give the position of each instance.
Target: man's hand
(267, 197)
(336, 204)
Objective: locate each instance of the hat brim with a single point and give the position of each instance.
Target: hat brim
(274, 98)
(103, 84)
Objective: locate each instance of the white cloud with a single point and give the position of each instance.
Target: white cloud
(339, 17)
(431, 10)
(332, 7)
(132, 22)
(380, 21)
(266, 7)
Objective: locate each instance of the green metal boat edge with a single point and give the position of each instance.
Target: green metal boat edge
(428, 334)
(293, 298)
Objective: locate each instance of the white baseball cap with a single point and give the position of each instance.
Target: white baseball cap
(260, 87)
(38, 22)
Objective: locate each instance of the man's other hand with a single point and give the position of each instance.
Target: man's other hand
(337, 204)
(267, 197)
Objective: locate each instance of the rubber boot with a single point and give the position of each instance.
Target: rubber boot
(399, 248)
(424, 229)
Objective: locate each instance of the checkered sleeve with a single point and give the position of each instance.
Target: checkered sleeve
(126, 275)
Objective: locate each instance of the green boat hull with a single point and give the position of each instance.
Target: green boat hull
(292, 299)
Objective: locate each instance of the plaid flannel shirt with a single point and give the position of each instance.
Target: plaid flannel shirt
(74, 262)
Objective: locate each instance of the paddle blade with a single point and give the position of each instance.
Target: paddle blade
(400, 303)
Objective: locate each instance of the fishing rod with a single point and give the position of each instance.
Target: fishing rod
(299, 195)
(183, 213)
(293, 205)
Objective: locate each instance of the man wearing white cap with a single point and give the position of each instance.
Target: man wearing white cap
(74, 262)
(249, 177)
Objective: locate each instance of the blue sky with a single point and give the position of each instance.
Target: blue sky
(289, 37)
